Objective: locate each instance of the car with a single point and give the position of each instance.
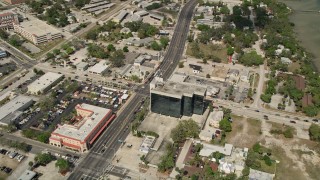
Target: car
(293, 122)
(129, 145)
(306, 120)
(315, 120)
(86, 75)
(257, 110)
(102, 151)
(76, 77)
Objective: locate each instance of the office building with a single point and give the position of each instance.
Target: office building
(12, 110)
(83, 129)
(44, 83)
(8, 19)
(177, 98)
(99, 68)
(37, 31)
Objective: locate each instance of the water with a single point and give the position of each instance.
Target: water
(307, 26)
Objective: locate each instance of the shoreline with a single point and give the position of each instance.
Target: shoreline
(304, 34)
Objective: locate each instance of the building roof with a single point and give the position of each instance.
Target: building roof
(156, 16)
(208, 149)
(99, 67)
(147, 143)
(27, 175)
(12, 108)
(86, 125)
(44, 81)
(259, 175)
(142, 13)
(82, 65)
(121, 15)
(38, 27)
(179, 89)
(300, 82)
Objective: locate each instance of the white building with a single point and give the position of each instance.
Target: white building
(37, 31)
(226, 167)
(13, 109)
(44, 83)
(147, 144)
(82, 66)
(121, 16)
(99, 68)
(208, 149)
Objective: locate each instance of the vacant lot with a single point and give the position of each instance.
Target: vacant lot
(211, 50)
(245, 132)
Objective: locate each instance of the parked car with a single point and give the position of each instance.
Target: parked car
(293, 122)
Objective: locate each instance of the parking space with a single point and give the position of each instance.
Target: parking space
(10, 160)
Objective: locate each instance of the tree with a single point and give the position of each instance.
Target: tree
(181, 65)
(14, 40)
(44, 137)
(266, 98)
(135, 78)
(164, 41)
(267, 160)
(167, 160)
(44, 158)
(50, 55)
(110, 47)
(251, 59)
(311, 110)
(47, 103)
(63, 165)
(230, 51)
(117, 58)
(30, 163)
(314, 132)
(69, 50)
(185, 129)
(97, 51)
(3, 34)
(125, 49)
(225, 125)
(155, 46)
(56, 51)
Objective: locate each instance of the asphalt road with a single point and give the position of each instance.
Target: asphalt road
(102, 152)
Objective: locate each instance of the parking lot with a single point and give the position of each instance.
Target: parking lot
(10, 160)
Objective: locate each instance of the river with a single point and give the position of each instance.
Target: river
(307, 26)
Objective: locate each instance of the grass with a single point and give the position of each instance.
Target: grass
(219, 51)
(268, 169)
(285, 169)
(174, 14)
(254, 128)
(294, 66)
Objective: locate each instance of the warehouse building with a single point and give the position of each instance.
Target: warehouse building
(12, 110)
(83, 129)
(37, 31)
(44, 83)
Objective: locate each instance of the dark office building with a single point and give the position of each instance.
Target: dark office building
(178, 99)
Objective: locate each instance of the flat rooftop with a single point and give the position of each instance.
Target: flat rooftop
(208, 149)
(99, 67)
(14, 105)
(179, 89)
(38, 27)
(44, 81)
(87, 124)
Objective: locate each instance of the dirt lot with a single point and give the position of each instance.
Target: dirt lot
(245, 132)
(6, 161)
(219, 51)
(298, 158)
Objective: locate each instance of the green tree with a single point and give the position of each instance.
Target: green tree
(267, 160)
(167, 160)
(155, 46)
(266, 98)
(125, 49)
(185, 129)
(251, 59)
(135, 78)
(110, 47)
(63, 165)
(311, 110)
(44, 137)
(30, 163)
(56, 51)
(230, 51)
(314, 132)
(50, 55)
(117, 58)
(164, 41)
(225, 125)
(3, 34)
(44, 158)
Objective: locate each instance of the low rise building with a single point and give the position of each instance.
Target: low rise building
(12, 110)
(99, 68)
(27, 175)
(82, 66)
(259, 175)
(157, 17)
(121, 16)
(208, 149)
(44, 83)
(8, 19)
(147, 144)
(37, 31)
(132, 41)
(83, 129)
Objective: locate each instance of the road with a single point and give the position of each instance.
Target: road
(257, 101)
(102, 152)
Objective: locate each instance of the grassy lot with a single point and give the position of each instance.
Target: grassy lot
(284, 168)
(174, 14)
(254, 128)
(219, 51)
(294, 66)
